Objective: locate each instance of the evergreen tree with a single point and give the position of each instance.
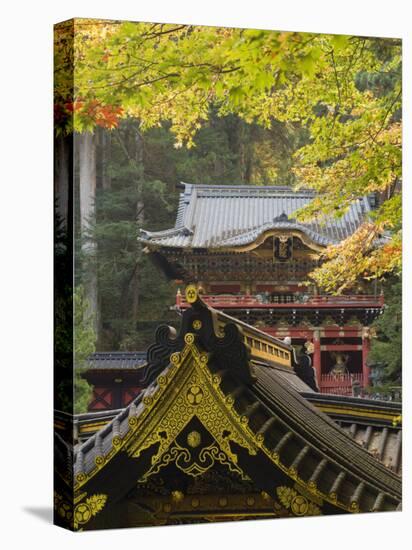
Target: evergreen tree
(84, 345)
(387, 347)
(133, 295)
(136, 187)
(63, 314)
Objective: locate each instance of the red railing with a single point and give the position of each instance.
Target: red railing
(348, 299)
(341, 384)
(233, 301)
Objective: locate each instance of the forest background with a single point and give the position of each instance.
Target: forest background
(151, 105)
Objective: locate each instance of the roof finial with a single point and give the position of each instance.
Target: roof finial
(282, 218)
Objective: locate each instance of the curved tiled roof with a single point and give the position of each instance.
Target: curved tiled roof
(212, 216)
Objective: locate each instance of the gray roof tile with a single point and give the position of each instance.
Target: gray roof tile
(124, 360)
(211, 216)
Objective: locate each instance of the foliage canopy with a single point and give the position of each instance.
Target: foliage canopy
(344, 90)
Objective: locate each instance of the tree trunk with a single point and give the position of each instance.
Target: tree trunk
(87, 184)
(106, 145)
(62, 158)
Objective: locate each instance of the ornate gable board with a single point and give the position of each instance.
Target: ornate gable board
(253, 239)
(192, 394)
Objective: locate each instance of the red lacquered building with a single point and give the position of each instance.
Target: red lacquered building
(115, 377)
(243, 247)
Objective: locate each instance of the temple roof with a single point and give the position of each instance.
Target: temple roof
(116, 360)
(215, 216)
(370, 423)
(264, 428)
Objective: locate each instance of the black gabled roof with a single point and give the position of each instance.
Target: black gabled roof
(389, 409)
(378, 436)
(308, 445)
(309, 424)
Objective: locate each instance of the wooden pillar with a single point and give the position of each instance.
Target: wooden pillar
(317, 356)
(365, 352)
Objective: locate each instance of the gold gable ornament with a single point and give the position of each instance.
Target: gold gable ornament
(282, 248)
(194, 393)
(298, 504)
(191, 294)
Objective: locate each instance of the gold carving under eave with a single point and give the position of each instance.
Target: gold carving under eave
(178, 507)
(193, 393)
(329, 321)
(298, 504)
(194, 439)
(282, 247)
(397, 420)
(63, 508)
(197, 324)
(83, 512)
(274, 233)
(183, 459)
